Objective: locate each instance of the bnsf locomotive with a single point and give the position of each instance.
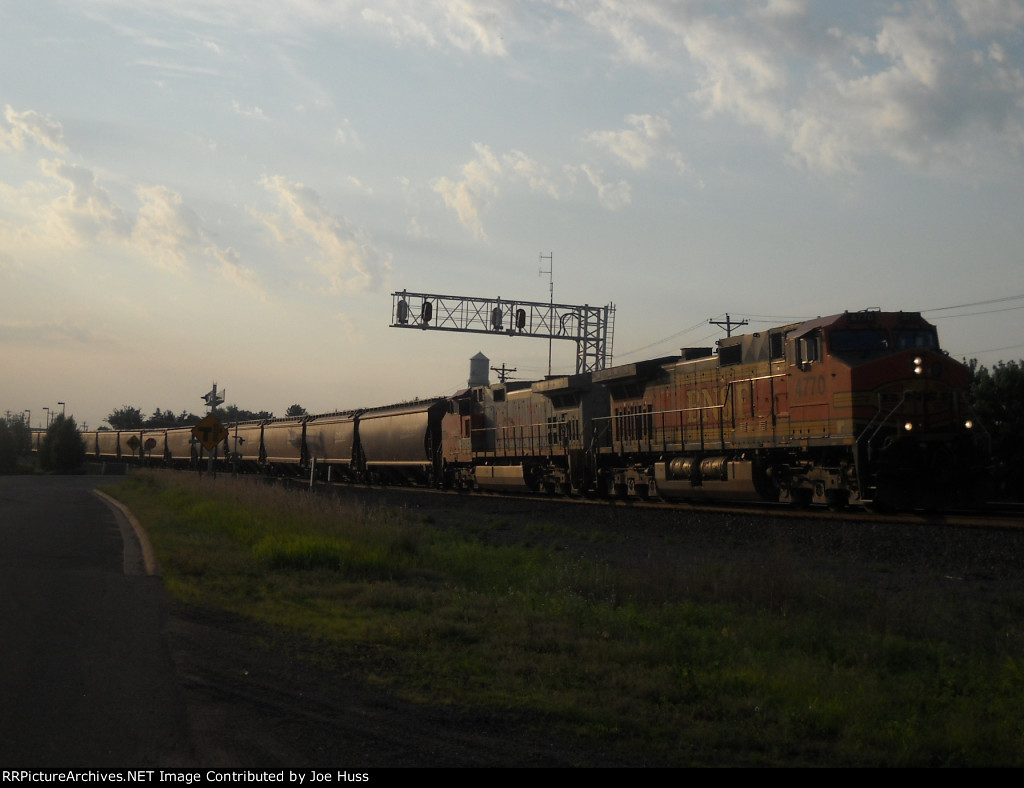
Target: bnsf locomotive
(858, 408)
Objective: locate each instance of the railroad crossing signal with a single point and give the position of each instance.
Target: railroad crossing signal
(209, 432)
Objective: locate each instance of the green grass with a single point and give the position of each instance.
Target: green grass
(727, 664)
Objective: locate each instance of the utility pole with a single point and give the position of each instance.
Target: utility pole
(503, 372)
(727, 324)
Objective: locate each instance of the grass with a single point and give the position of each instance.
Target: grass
(725, 664)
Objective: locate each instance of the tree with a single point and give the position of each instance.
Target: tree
(294, 411)
(997, 399)
(63, 449)
(15, 442)
(125, 418)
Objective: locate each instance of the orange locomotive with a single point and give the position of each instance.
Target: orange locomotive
(862, 407)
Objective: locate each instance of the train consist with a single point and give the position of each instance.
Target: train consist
(858, 408)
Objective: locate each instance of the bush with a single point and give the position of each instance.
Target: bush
(62, 449)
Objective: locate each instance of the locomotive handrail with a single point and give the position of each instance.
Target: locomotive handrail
(895, 407)
(664, 426)
(857, 453)
(515, 440)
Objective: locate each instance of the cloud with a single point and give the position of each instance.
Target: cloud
(170, 234)
(648, 139)
(249, 112)
(741, 73)
(85, 212)
(339, 252)
(346, 135)
(474, 193)
(482, 179)
(928, 101)
(80, 213)
(238, 275)
(466, 25)
(167, 231)
(987, 17)
(611, 195)
(472, 26)
(30, 127)
(927, 84)
(49, 334)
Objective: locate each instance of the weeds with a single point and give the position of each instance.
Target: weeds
(722, 664)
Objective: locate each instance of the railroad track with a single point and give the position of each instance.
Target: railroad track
(1008, 516)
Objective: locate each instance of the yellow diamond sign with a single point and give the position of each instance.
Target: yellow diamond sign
(209, 432)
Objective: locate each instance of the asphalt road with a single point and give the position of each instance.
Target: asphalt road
(86, 677)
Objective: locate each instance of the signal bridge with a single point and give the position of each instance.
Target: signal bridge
(590, 327)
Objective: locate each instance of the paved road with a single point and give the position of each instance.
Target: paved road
(86, 678)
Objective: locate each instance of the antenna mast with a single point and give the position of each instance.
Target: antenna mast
(551, 292)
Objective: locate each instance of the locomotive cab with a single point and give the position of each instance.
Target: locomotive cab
(882, 407)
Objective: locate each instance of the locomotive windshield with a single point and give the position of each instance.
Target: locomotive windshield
(925, 338)
(861, 340)
(871, 340)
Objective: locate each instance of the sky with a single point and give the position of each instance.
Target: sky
(229, 191)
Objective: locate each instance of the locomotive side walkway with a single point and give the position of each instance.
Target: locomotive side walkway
(85, 673)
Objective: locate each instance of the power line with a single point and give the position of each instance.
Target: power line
(973, 314)
(990, 350)
(694, 327)
(976, 303)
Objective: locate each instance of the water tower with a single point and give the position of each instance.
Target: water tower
(479, 369)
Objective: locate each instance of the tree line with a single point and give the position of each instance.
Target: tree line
(997, 399)
(128, 417)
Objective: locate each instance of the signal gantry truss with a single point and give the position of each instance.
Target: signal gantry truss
(590, 327)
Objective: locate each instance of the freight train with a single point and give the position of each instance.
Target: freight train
(860, 408)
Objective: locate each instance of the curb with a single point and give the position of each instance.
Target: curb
(148, 555)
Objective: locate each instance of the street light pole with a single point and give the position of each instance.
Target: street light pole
(62, 406)
(47, 417)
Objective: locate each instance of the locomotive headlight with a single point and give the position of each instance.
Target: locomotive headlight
(908, 426)
(918, 365)
(969, 425)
